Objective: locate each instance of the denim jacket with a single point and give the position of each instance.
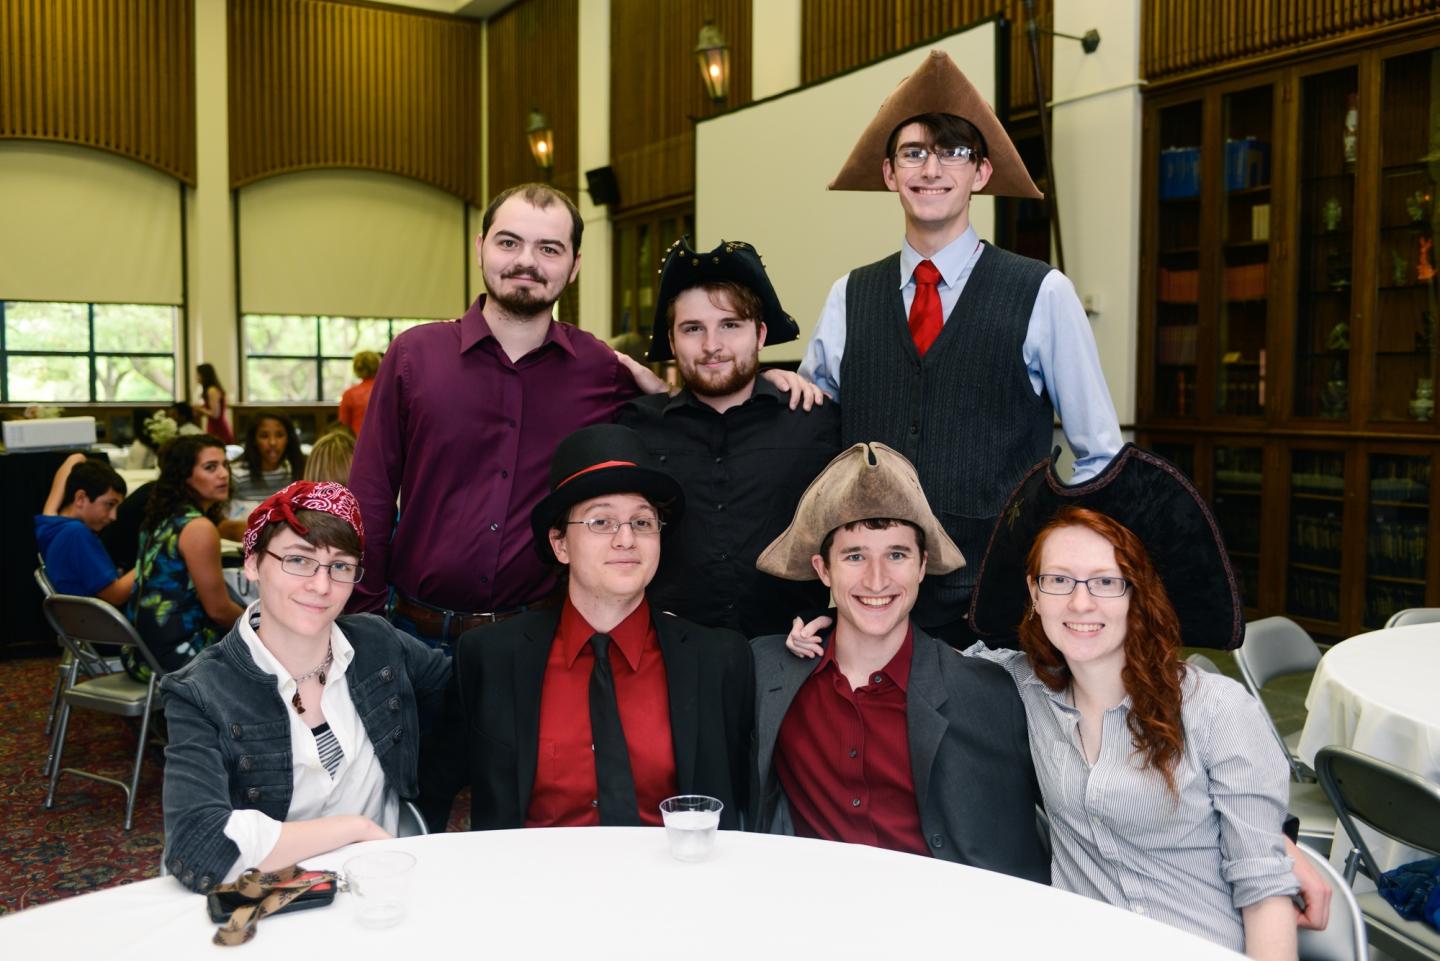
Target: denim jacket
(229, 736)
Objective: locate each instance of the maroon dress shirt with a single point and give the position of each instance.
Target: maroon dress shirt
(464, 438)
(843, 757)
(565, 793)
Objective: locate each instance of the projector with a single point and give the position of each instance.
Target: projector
(49, 432)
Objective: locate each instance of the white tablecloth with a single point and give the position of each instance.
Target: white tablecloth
(596, 893)
(1379, 693)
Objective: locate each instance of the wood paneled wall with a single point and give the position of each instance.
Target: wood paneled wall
(532, 63)
(113, 74)
(838, 35)
(315, 83)
(656, 91)
(1179, 37)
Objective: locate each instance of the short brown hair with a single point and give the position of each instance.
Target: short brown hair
(871, 524)
(743, 301)
(539, 196)
(321, 530)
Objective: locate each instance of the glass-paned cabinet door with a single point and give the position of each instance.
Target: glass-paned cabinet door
(1317, 509)
(1238, 476)
(1177, 277)
(1181, 455)
(1329, 136)
(1405, 307)
(1248, 119)
(1397, 529)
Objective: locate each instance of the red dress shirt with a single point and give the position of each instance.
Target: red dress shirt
(464, 436)
(843, 757)
(565, 792)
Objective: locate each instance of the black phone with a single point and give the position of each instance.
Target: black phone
(222, 905)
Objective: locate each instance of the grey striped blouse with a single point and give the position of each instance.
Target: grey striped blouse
(1117, 833)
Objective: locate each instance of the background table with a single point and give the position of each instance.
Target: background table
(1379, 693)
(616, 893)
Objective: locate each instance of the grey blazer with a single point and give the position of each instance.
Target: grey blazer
(969, 752)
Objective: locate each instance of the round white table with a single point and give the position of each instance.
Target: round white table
(1379, 693)
(616, 893)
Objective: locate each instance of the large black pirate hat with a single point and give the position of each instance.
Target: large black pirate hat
(733, 260)
(596, 460)
(1151, 497)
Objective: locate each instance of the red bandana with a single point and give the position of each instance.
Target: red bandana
(304, 495)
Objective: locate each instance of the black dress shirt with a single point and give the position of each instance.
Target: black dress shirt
(743, 472)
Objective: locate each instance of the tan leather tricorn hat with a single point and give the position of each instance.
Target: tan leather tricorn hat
(936, 86)
(868, 480)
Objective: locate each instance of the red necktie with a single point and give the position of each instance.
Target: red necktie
(925, 317)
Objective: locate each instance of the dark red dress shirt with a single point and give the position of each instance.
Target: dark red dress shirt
(843, 757)
(564, 794)
(464, 438)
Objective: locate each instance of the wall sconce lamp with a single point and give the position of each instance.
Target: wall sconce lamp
(542, 140)
(713, 55)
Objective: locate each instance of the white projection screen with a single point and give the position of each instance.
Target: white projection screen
(761, 171)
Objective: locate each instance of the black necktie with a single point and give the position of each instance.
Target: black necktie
(616, 783)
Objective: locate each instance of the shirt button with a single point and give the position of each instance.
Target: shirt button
(936, 841)
(878, 679)
(719, 507)
(854, 753)
(855, 802)
(1140, 909)
(719, 460)
(252, 795)
(494, 527)
(235, 731)
(504, 473)
(393, 703)
(594, 803)
(245, 764)
(386, 673)
(914, 429)
(724, 555)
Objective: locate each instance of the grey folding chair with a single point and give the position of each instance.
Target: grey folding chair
(1414, 615)
(62, 669)
(1402, 806)
(1344, 937)
(1201, 662)
(89, 628)
(1275, 647)
(411, 823)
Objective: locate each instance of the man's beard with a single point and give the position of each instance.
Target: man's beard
(523, 302)
(741, 375)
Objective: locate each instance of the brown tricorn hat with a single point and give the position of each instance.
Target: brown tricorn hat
(936, 86)
(868, 480)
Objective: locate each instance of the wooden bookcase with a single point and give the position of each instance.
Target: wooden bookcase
(1288, 341)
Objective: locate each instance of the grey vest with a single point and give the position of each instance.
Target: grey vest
(966, 415)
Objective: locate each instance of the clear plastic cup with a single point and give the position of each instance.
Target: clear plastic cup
(380, 883)
(691, 821)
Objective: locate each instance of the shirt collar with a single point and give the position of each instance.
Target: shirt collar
(763, 389)
(474, 328)
(949, 260)
(267, 662)
(629, 635)
(898, 668)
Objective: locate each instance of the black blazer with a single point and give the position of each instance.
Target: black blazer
(489, 732)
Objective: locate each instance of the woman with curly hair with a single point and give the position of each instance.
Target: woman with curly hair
(179, 605)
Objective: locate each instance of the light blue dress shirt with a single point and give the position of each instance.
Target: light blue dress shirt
(1059, 350)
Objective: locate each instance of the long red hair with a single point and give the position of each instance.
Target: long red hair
(1153, 670)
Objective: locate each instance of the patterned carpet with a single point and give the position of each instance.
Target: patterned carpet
(80, 844)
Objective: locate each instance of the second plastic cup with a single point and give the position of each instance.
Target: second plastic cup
(691, 821)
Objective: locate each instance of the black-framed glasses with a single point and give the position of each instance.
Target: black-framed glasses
(610, 525)
(341, 572)
(1097, 586)
(948, 156)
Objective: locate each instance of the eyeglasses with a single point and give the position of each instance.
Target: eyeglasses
(610, 525)
(1097, 586)
(948, 156)
(341, 572)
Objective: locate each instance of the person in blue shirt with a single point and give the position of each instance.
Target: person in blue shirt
(954, 352)
(68, 537)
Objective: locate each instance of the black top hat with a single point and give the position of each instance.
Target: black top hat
(1151, 497)
(733, 260)
(601, 459)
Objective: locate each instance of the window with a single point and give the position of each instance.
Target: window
(641, 243)
(86, 353)
(296, 359)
